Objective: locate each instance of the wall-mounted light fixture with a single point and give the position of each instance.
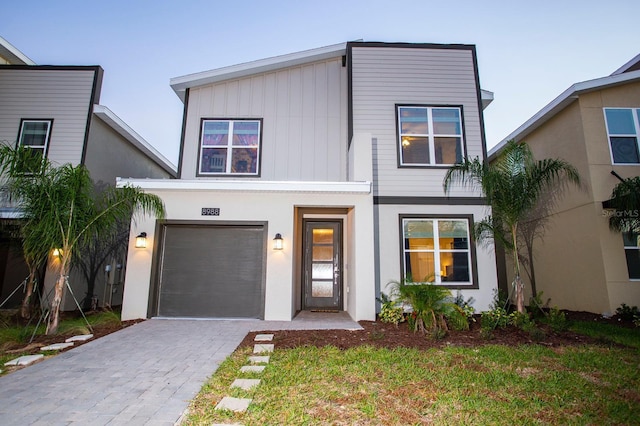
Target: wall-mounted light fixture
(57, 252)
(277, 242)
(141, 240)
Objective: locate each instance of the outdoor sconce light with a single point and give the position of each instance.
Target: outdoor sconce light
(141, 240)
(57, 252)
(277, 242)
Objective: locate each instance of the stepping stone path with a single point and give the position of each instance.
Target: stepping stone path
(241, 405)
(56, 346)
(79, 338)
(25, 360)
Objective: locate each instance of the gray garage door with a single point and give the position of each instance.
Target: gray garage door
(212, 272)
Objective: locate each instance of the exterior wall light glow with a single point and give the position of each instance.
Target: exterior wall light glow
(57, 252)
(141, 240)
(277, 242)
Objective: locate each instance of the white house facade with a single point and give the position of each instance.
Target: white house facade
(309, 181)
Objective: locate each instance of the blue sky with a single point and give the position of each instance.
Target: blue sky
(528, 52)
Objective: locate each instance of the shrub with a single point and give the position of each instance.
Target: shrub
(466, 306)
(557, 320)
(432, 307)
(390, 310)
(495, 318)
(627, 313)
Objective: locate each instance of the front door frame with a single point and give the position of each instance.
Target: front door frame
(338, 264)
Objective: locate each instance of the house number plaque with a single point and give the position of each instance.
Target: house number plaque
(210, 211)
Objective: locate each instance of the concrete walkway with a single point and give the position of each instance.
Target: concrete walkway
(145, 374)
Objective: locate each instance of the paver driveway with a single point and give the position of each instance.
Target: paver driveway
(145, 374)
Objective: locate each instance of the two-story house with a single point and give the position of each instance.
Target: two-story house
(580, 264)
(55, 110)
(308, 181)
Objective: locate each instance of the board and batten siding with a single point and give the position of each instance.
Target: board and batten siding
(383, 77)
(304, 120)
(64, 95)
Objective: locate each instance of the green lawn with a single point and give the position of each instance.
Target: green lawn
(495, 384)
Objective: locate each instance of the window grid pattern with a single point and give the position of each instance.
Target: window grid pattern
(436, 250)
(623, 132)
(430, 135)
(230, 147)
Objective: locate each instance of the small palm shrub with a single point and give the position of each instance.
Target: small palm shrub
(557, 320)
(433, 308)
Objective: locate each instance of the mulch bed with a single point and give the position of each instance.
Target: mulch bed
(383, 335)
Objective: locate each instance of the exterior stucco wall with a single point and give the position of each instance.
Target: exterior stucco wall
(278, 211)
(389, 260)
(580, 264)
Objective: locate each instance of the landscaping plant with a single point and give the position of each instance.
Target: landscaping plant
(390, 310)
(432, 306)
(512, 184)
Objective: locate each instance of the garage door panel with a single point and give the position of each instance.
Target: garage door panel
(212, 271)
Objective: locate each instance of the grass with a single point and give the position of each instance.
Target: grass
(609, 333)
(11, 334)
(531, 384)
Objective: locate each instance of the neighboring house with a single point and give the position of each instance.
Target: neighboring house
(308, 181)
(595, 125)
(55, 110)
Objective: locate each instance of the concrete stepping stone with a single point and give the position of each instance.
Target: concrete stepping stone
(259, 359)
(25, 360)
(263, 338)
(263, 347)
(252, 369)
(79, 338)
(245, 384)
(238, 405)
(56, 346)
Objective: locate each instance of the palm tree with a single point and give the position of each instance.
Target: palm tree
(60, 210)
(625, 199)
(512, 185)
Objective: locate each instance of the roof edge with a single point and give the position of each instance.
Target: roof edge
(180, 84)
(116, 123)
(14, 54)
(633, 61)
(559, 103)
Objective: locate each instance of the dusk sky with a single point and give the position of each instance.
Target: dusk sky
(528, 52)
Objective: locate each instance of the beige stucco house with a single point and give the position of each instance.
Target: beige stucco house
(595, 125)
(310, 180)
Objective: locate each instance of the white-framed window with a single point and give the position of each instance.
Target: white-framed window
(230, 147)
(430, 135)
(437, 250)
(35, 135)
(623, 131)
(632, 253)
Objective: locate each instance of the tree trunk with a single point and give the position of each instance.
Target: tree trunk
(25, 308)
(54, 316)
(519, 286)
(517, 280)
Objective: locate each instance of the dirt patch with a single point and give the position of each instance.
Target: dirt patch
(383, 335)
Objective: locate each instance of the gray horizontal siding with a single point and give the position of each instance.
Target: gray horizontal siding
(304, 114)
(61, 95)
(383, 77)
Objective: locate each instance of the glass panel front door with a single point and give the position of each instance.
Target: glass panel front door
(322, 265)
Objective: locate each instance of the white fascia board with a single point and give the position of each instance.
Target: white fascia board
(15, 56)
(628, 65)
(180, 84)
(116, 123)
(487, 98)
(561, 102)
(247, 185)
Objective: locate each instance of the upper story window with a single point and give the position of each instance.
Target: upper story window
(437, 250)
(623, 130)
(35, 135)
(429, 136)
(230, 147)
(632, 253)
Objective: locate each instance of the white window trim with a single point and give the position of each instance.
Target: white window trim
(229, 147)
(47, 137)
(436, 250)
(430, 135)
(636, 122)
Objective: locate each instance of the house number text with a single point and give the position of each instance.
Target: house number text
(210, 211)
